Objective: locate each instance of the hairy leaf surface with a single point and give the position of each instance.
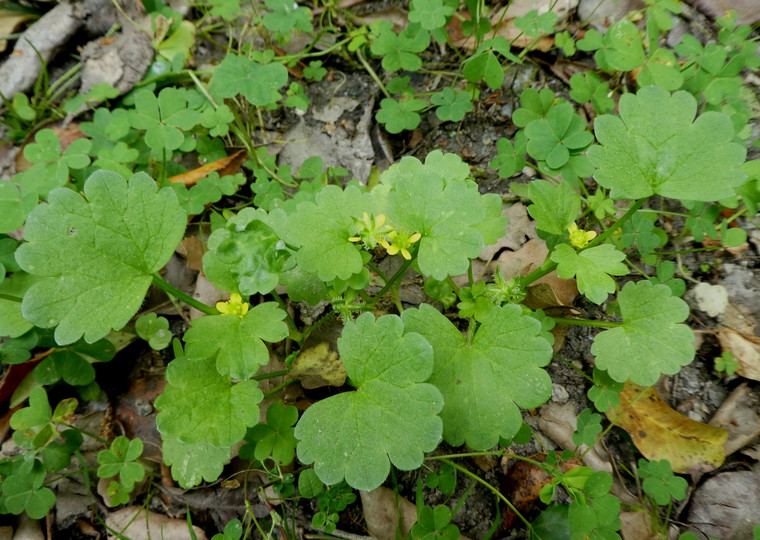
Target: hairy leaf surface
(97, 253)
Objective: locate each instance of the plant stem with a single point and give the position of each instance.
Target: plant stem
(549, 265)
(400, 272)
(584, 322)
(372, 73)
(159, 282)
(488, 487)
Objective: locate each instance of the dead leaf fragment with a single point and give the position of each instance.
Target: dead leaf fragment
(746, 351)
(138, 524)
(318, 364)
(225, 166)
(660, 432)
(382, 509)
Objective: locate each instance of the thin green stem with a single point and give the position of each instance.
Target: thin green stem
(279, 387)
(489, 487)
(400, 272)
(549, 265)
(372, 73)
(272, 375)
(584, 322)
(186, 298)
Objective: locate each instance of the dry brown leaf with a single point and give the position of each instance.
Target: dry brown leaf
(226, 165)
(9, 23)
(382, 508)
(139, 524)
(660, 432)
(502, 28)
(191, 248)
(746, 351)
(318, 364)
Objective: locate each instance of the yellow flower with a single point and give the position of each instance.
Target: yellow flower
(235, 306)
(399, 242)
(580, 238)
(370, 230)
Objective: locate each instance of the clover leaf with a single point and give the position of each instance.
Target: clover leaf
(323, 228)
(191, 463)
(591, 268)
(399, 50)
(237, 342)
(398, 115)
(553, 138)
(555, 206)
(651, 341)
(199, 404)
(97, 253)
(452, 106)
(24, 492)
(437, 200)
(286, 16)
(274, 438)
(483, 382)
(660, 483)
(119, 460)
(164, 118)
(430, 14)
(390, 418)
(656, 147)
(259, 83)
(511, 157)
(245, 256)
(154, 330)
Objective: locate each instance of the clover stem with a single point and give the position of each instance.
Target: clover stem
(549, 265)
(186, 298)
(279, 387)
(372, 73)
(272, 375)
(489, 487)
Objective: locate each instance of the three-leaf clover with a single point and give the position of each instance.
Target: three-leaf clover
(656, 147)
(452, 106)
(258, 83)
(398, 115)
(484, 381)
(660, 483)
(591, 268)
(96, 254)
(651, 340)
(511, 156)
(119, 460)
(274, 438)
(399, 51)
(357, 435)
(24, 491)
(154, 330)
(430, 14)
(553, 138)
(164, 118)
(237, 342)
(589, 425)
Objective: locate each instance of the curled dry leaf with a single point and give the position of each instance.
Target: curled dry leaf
(659, 432)
(225, 166)
(746, 351)
(318, 364)
(138, 524)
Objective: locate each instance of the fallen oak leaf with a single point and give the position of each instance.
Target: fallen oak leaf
(659, 432)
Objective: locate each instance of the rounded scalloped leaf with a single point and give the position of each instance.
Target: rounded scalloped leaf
(651, 341)
(97, 253)
(199, 404)
(656, 147)
(390, 418)
(486, 381)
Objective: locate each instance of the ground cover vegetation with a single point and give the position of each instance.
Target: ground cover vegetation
(653, 130)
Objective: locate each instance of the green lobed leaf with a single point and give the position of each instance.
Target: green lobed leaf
(191, 463)
(485, 381)
(390, 418)
(652, 339)
(96, 254)
(452, 106)
(437, 200)
(399, 51)
(246, 256)
(237, 343)
(591, 268)
(199, 404)
(555, 206)
(430, 14)
(322, 229)
(656, 147)
(400, 115)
